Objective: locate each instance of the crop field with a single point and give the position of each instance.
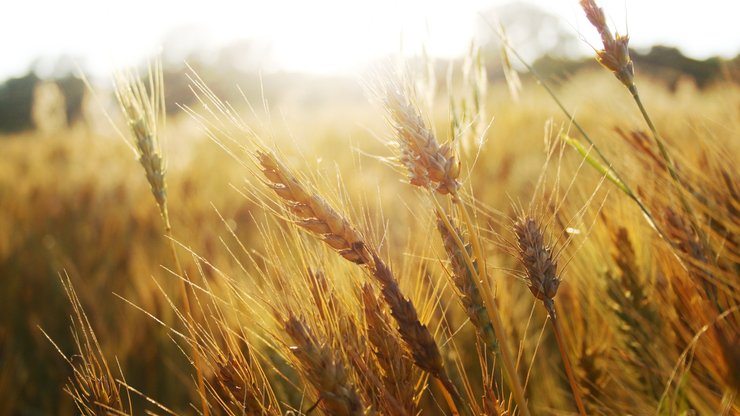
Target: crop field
(407, 244)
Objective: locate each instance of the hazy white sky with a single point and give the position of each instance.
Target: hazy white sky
(325, 35)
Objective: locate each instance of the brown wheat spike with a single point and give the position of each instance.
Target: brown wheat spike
(416, 335)
(464, 281)
(492, 406)
(593, 373)
(143, 109)
(314, 214)
(543, 281)
(538, 261)
(397, 368)
(633, 304)
(429, 164)
(616, 55)
(237, 386)
(324, 370)
(342, 323)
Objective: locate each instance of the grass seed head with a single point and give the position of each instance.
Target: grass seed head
(143, 109)
(323, 369)
(429, 164)
(537, 258)
(312, 212)
(615, 56)
(396, 366)
(416, 335)
(319, 218)
(234, 378)
(463, 278)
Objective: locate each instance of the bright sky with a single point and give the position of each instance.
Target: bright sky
(325, 36)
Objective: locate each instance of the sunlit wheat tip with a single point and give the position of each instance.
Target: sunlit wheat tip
(143, 109)
(615, 56)
(312, 211)
(429, 164)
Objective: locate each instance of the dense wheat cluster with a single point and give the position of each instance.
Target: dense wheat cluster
(574, 250)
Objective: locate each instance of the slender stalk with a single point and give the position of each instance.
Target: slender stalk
(189, 316)
(498, 327)
(446, 387)
(145, 112)
(493, 313)
(626, 188)
(728, 399)
(550, 306)
(671, 167)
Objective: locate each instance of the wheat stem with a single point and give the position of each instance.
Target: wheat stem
(144, 110)
(190, 320)
(446, 387)
(550, 306)
(669, 163)
(484, 287)
(498, 325)
(625, 186)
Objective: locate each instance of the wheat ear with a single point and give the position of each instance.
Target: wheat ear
(437, 168)
(464, 280)
(313, 213)
(144, 111)
(543, 281)
(324, 370)
(397, 371)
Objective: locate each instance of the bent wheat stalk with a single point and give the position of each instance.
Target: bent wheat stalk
(314, 214)
(541, 272)
(436, 168)
(323, 370)
(616, 58)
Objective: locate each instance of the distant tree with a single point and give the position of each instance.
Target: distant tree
(671, 64)
(16, 101)
(74, 91)
(668, 64)
(533, 31)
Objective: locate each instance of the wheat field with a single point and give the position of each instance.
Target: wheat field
(429, 248)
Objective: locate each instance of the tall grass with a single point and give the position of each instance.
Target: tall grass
(510, 279)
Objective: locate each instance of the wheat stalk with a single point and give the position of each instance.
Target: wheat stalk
(615, 57)
(144, 111)
(323, 369)
(314, 214)
(543, 281)
(92, 386)
(421, 154)
(388, 350)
